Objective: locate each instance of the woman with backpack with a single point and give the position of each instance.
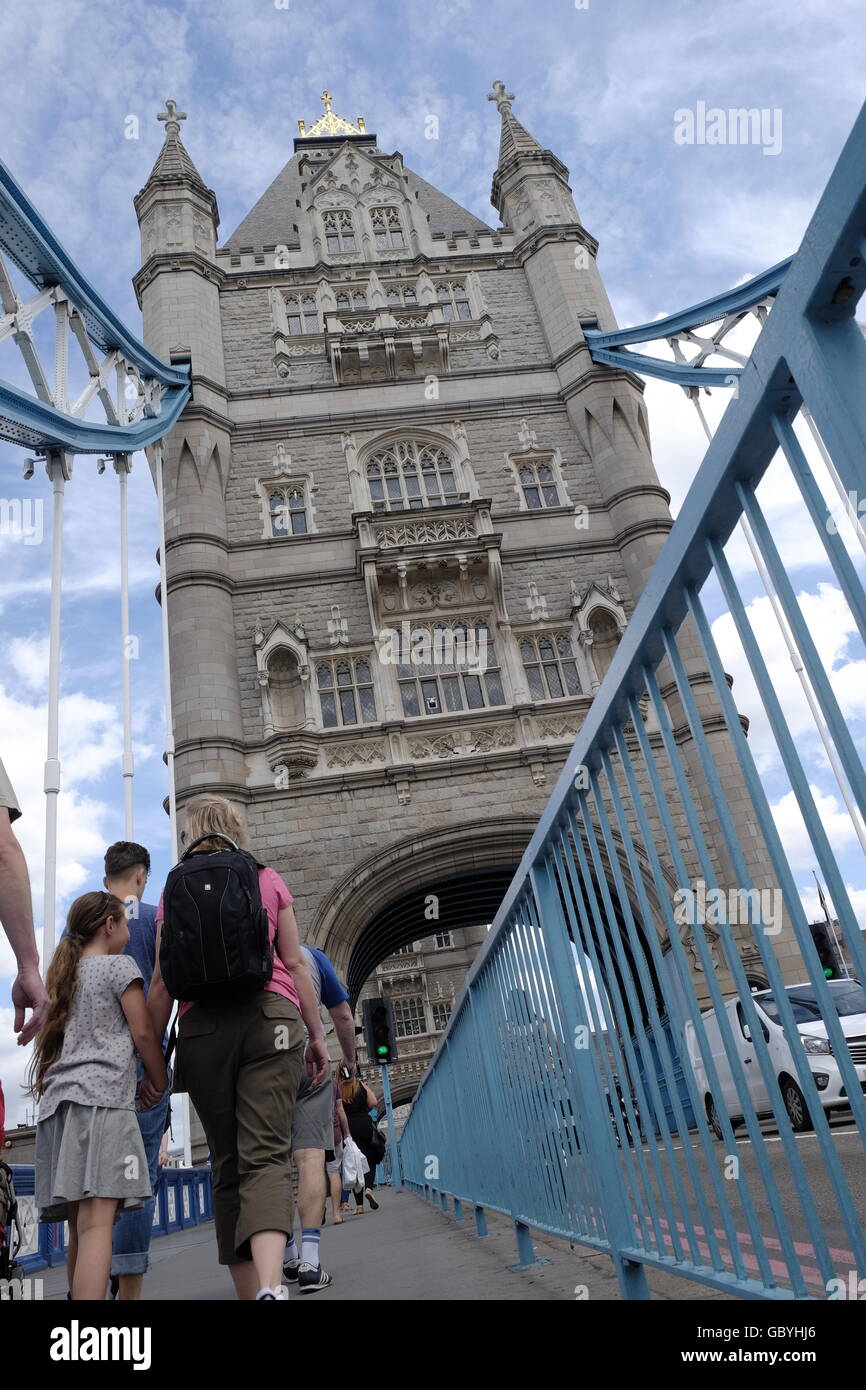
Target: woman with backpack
(90, 1160)
(229, 950)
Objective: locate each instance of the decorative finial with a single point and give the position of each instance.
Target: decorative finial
(331, 124)
(171, 116)
(502, 98)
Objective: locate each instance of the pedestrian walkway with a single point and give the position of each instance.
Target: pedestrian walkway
(408, 1251)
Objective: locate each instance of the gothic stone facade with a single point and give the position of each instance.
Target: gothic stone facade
(395, 427)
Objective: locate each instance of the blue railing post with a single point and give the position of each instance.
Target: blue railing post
(393, 1143)
(579, 1064)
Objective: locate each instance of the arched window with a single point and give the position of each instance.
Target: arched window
(605, 640)
(453, 300)
(409, 474)
(402, 295)
(387, 228)
(538, 483)
(303, 314)
(339, 231)
(346, 692)
(288, 512)
(448, 668)
(356, 300)
(551, 670)
(284, 684)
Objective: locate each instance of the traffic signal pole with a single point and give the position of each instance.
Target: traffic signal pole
(396, 1179)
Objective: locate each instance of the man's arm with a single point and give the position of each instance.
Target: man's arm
(288, 945)
(16, 915)
(344, 1025)
(159, 1001)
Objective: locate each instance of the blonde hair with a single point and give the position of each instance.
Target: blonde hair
(213, 815)
(86, 915)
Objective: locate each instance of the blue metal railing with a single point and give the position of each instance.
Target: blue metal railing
(589, 1068)
(183, 1198)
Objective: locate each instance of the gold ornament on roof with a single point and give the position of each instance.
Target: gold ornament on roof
(329, 124)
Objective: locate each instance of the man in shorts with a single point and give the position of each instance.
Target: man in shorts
(313, 1131)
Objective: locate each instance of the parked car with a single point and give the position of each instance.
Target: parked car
(849, 999)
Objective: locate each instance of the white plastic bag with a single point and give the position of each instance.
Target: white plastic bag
(355, 1165)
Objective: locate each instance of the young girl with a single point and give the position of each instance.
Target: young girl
(89, 1154)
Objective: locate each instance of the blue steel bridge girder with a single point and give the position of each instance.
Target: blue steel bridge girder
(112, 355)
(728, 309)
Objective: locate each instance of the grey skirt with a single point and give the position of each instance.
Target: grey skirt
(89, 1151)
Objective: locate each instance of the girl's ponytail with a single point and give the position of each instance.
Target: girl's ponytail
(86, 916)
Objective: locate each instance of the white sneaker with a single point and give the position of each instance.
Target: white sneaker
(280, 1293)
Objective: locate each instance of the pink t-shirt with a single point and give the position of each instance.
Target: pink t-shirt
(275, 895)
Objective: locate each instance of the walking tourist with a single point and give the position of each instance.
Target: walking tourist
(358, 1100)
(313, 1131)
(241, 1048)
(90, 1158)
(127, 868)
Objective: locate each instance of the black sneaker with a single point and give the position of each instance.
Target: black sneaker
(311, 1278)
(372, 1200)
(290, 1271)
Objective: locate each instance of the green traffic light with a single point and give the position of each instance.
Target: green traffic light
(382, 1051)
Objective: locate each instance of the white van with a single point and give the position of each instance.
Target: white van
(850, 1000)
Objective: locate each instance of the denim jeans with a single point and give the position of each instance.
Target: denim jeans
(133, 1231)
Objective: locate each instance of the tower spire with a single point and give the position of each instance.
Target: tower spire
(173, 161)
(515, 138)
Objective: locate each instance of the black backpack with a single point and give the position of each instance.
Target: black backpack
(215, 940)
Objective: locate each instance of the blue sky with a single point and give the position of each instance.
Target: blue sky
(598, 85)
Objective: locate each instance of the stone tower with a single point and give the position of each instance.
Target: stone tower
(407, 520)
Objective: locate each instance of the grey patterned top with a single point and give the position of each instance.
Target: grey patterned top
(97, 1063)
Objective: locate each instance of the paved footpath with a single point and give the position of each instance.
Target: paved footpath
(408, 1251)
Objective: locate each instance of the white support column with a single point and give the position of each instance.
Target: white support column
(166, 654)
(58, 466)
(123, 467)
(169, 729)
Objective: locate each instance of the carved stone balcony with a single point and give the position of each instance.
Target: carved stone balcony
(386, 343)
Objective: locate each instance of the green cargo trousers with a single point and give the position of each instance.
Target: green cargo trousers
(241, 1063)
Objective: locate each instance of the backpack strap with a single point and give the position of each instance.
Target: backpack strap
(215, 835)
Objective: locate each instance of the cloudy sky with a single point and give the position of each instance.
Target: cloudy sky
(600, 84)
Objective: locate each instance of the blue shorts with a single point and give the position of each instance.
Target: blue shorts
(133, 1231)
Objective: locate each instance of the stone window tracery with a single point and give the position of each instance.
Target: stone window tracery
(409, 1017)
(346, 694)
(387, 228)
(287, 508)
(550, 666)
(339, 231)
(449, 667)
(538, 483)
(409, 474)
(453, 300)
(402, 296)
(302, 313)
(441, 1015)
(347, 301)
